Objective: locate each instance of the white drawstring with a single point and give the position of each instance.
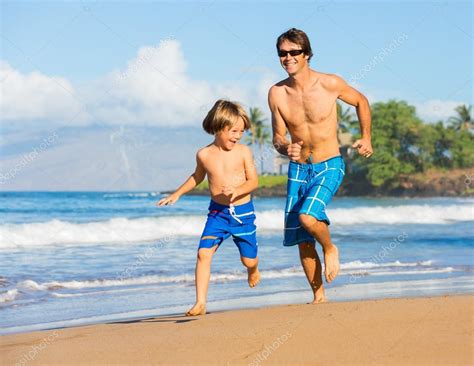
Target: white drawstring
(233, 214)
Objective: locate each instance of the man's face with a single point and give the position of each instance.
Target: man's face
(292, 64)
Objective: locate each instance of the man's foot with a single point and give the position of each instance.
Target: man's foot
(319, 296)
(319, 301)
(254, 276)
(197, 309)
(331, 263)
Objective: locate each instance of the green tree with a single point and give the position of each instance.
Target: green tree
(259, 134)
(462, 149)
(345, 117)
(396, 131)
(453, 148)
(463, 121)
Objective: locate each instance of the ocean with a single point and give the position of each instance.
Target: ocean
(75, 258)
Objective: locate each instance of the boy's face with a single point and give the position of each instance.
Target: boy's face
(230, 135)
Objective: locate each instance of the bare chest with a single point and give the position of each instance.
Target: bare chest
(225, 168)
(312, 107)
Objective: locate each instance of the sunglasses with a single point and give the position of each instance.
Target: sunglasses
(283, 53)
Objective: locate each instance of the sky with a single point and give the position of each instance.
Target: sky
(102, 95)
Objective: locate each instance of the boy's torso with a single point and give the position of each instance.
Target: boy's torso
(225, 169)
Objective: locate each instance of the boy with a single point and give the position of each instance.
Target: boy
(232, 177)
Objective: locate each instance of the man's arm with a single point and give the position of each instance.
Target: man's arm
(280, 142)
(193, 180)
(351, 96)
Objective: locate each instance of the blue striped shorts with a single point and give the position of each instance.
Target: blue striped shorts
(236, 221)
(310, 188)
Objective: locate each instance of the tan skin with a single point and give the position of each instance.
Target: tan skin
(232, 176)
(304, 104)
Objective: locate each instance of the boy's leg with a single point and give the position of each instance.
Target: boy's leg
(202, 276)
(319, 230)
(313, 270)
(252, 270)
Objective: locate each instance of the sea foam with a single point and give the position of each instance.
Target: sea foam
(125, 230)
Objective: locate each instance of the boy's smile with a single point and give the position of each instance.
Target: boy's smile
(230, 135)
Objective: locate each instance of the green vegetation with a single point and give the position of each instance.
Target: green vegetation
(403, 144)
(269, 181)
(259, 134)
(264, 181)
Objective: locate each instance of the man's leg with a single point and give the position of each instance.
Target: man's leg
(202, 276)
(313, 270)
(320, 231)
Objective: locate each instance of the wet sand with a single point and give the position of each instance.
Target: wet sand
(414, 331)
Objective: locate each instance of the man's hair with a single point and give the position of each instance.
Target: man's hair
(224, 113)
(297, 36)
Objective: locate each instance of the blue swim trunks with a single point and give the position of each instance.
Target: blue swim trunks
(238, 221)
(310, 188)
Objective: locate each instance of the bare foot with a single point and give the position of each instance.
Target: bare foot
(331, 263)
(254, 276)
(319, 300)
(319, 296)
(197, 309)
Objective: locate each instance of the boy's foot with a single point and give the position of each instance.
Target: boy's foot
(197, 309)
(331, 263)
(254, 276)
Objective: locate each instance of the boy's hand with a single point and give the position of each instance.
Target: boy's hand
(294, 150)
(230, 192)
(170, 200)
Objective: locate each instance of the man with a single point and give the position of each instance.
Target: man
(305, 105)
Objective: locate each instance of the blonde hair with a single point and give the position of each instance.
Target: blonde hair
(223, 114)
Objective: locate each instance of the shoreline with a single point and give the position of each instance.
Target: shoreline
(278, 192)
(348, 292)
(425, 330)
(432, 183)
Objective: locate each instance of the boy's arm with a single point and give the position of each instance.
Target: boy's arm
(194, 179)
(251, 177)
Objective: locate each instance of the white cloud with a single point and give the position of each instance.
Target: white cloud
(154, 89)
(35, 96)
(432, 110)
(435, 110)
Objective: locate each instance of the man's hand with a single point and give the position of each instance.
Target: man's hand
(364, 147)
(294, 150)
(170, 200)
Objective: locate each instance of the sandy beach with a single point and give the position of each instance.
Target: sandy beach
(410, 331)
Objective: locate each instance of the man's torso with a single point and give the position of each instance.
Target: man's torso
(310, 116)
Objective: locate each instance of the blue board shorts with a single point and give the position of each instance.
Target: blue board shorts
(310, 188)
(238, 221)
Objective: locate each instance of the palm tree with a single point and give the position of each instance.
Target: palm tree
(259, 133)
(463, 121)
(344, 117)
